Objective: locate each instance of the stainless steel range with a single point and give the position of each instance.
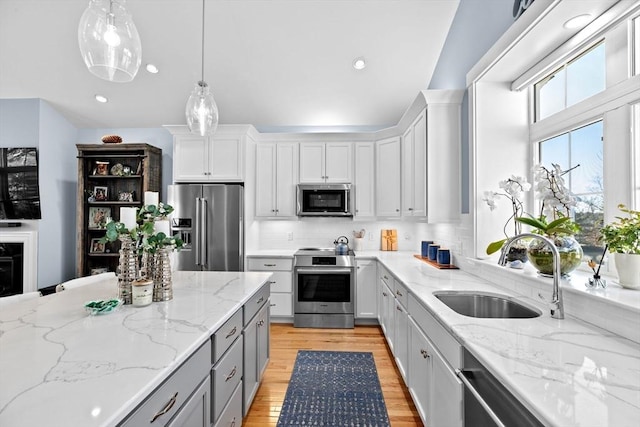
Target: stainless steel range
(324, 288)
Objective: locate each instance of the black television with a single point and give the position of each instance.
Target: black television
(19, 190)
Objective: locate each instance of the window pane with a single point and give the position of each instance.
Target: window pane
(582, 147)
(586, 75)
(551, 95)
(636, 45)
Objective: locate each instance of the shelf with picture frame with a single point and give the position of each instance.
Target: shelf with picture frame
(110, 176)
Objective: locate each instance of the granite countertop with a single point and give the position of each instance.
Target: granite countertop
(60, 366)
(567, 372)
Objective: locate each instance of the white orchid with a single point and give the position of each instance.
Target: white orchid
(552, 191)
(490, 197)
(513, 188)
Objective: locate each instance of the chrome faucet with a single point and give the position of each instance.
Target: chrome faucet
(557, 306)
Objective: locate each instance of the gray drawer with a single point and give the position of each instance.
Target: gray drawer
(232, 415)
(226, 335)
(173, 393)
(226, 375)
(270, 264)
(254, 303)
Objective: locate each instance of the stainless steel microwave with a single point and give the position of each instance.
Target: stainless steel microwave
(324, 200)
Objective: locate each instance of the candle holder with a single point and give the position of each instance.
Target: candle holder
(127, 268)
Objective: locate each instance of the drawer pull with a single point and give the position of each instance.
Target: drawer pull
(271, 282)
(424, 353)
(166, 408)
(232, 332)
(399, 293)
(269, 265)
(398, 308)
(231, 374)
(261, 323)
(233, 422)
(260, 300)
(272, 305)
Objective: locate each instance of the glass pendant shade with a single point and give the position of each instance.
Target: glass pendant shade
(109, 41)
(201, 110)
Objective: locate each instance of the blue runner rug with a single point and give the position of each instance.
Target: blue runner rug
(334, 388)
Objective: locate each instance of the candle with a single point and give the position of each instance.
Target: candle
(128, 217)
(162, 226)
(151, 198)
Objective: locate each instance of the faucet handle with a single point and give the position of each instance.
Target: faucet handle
(553, 305)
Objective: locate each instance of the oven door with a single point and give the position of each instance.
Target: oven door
(324, 290)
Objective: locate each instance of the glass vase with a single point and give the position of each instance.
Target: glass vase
(541, 256)
(127, 268)
(162, 286)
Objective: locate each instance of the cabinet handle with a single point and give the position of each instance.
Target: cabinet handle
(425, 354)
(399, 293)
(384, 294)
(410, 209)
(269, 265)
(385, 277)
(398, 308)
(231, 333)
(397, 210)
(261, 323)
(272, 305)
(271, 282)
(231, 374)
(260, 300)
(273, 210)
(233, 422)
(166, 408)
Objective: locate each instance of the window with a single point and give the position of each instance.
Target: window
(583, 147)
(636, 45)
(575, 81)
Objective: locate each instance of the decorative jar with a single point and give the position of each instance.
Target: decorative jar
(541, 256)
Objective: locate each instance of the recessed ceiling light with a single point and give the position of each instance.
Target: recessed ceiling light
(152, 69)
(577, 21)
(359, 63)
(101, 98)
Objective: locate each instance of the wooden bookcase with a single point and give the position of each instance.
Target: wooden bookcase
(110, 173)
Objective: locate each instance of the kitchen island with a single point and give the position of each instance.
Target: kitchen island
(59, 366)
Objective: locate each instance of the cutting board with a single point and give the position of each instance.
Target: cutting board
(389, 240)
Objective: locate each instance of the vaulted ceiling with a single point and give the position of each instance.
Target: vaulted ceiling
(270, 63)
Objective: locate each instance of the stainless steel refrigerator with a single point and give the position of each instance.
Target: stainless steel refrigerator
(209, 219)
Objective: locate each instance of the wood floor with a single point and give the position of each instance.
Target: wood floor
(285, 343)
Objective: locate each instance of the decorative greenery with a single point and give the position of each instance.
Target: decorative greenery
(144, 232)
(512, 189)
(623, 235)
(556, 204)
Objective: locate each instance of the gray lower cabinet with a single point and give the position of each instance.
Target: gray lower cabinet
(226, 376)
(195, 412)
(179, 399)
(232, 415)
(256, 353)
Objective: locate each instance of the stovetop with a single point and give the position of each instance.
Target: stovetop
(320, 252)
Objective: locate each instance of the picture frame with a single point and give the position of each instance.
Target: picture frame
(98, 217)
(96, 247)
(125, 196)
(102, 168)
(100, 193)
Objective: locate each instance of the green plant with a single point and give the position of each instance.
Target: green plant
(623, 235)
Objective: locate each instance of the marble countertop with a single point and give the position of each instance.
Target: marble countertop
(569, 373)
(60, 366)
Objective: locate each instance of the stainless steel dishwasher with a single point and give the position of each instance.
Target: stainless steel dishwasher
(487, 403)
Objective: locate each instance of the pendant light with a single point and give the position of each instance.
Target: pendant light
(109, 41)
(201, 110)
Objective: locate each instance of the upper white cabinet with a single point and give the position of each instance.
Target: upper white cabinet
(414, 168)
(217, 158)
(443, 158)
(326, 162)
(388, 177)
(365, 177)
(276, 173)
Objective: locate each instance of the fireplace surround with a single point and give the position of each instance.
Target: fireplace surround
(29, 240)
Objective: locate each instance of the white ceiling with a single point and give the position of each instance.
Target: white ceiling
(270, 63)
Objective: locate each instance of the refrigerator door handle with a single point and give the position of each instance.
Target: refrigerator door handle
(198, 238)
(204, 232)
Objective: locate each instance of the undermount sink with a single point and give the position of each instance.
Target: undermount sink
(485, 305)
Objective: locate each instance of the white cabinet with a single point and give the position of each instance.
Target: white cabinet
(401, 337)
(388, 177)
(256, 354)
(276, 178)
(281, 282)
(326, 162)
(365, 177)
(443, 158)
(366, 284)
(414, 168)
(432, 356)
(387, 304)
(217, 158)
